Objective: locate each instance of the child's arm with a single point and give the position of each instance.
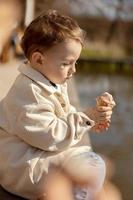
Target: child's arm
(44, 130)
(33, 118)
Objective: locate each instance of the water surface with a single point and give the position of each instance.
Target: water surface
(117, 142)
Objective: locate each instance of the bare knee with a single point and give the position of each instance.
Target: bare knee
(86, 168)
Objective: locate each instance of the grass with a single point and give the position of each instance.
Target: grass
(89, 53)
(110, 68)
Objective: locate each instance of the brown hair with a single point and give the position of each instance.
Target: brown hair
(48, 29)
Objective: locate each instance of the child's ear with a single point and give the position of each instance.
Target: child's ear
(37, 58)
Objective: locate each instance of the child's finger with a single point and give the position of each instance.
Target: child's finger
(102, 119)
(105, 114)
(104, 109)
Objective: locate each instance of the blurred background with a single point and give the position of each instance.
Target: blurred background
(106, 64)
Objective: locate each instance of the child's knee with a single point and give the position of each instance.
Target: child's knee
(86, 168)
(97, 172)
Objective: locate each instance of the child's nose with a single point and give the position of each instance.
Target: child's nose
(73, 69)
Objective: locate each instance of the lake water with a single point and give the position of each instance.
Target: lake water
(117, 142)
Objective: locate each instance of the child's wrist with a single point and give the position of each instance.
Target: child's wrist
(89, 112)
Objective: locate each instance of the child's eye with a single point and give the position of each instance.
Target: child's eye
(68, 64)
(65, 64)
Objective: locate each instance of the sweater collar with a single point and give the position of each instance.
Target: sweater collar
(41, 80)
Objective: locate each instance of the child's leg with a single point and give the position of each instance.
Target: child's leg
(58, 186)
(87, 170)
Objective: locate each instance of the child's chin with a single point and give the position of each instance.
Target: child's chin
(63, 81)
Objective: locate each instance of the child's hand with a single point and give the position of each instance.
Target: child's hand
(105, 100)
(101, 114)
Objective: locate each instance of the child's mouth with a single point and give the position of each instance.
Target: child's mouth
(69, 77)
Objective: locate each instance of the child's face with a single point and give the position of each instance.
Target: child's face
(59, 61)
